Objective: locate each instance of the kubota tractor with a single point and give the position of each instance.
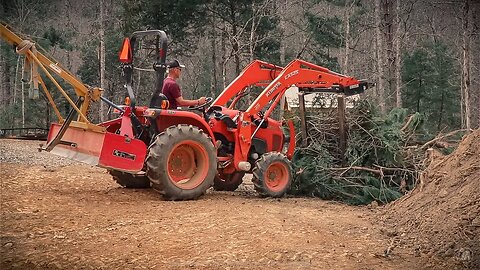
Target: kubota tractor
(182, 153)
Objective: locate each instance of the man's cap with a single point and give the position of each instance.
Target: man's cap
(175, 64)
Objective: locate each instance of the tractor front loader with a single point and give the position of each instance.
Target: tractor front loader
(251, 141)
(182, 153)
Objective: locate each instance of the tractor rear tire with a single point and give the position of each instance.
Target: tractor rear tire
(228, 182)
(182, 163)
(272, 174)
(128, 180)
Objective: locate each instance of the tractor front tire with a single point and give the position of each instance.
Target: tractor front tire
(228, 182)
(272, 174)
(128, 180)
(181, 163)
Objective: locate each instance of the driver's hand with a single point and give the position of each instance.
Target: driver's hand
(202, 100)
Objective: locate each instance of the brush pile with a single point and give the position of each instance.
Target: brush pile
(382, 161)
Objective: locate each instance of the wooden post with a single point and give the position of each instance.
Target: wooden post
(303, 118)
(342, 127)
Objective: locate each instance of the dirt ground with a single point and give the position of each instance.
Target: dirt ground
(443, 211)
(57, 214)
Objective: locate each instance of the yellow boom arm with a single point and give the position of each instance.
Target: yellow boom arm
(85, 93)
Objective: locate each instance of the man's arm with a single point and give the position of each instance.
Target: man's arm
(187, 102)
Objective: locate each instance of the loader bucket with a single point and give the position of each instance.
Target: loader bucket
(99, 148)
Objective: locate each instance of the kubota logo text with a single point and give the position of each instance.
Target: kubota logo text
(291, 74)
(273, 89)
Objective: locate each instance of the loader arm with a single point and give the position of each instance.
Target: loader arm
(305, 75)
(302, 74)
(257, 73)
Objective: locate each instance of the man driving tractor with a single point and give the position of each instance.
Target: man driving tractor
(172, 91)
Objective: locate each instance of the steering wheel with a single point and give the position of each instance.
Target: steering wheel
(208, 101)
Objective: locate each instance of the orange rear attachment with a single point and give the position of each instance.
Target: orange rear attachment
(99, 148)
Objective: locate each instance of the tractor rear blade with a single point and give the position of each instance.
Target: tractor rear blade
(99, 148)
(76, 143)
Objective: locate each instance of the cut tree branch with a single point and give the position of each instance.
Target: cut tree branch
(433, 141)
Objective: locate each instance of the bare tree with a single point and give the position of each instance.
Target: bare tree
(234, 37)
(224, 55)
(251, 44)
(213, 42)
(281, 12)
(379, 49)
(102, 58)
(347, 14)
(23, 96)
(5, 92)
(475, 67)
(466, 25)
(396, 44)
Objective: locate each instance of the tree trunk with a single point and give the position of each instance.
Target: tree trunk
(2, 78)
(234, 37)
(102, 60)
(347, 14)
(440, 114)
(389, 48)
(380, 57)
(476, 57)
(281, 10)
(466, 63)
(252, 35)
(5, 92)
(224, 55)
(398, 60)
(213, 40)
(23, 96)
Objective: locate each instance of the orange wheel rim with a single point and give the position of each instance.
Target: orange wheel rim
(187, 164)
(276, 177)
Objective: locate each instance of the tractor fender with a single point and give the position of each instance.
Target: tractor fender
(168, 118)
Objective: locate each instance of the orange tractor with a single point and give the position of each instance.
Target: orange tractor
(182, 153)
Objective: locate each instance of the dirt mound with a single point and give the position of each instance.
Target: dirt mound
(442, 214)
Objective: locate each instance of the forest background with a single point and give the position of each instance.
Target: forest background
(422, 55)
